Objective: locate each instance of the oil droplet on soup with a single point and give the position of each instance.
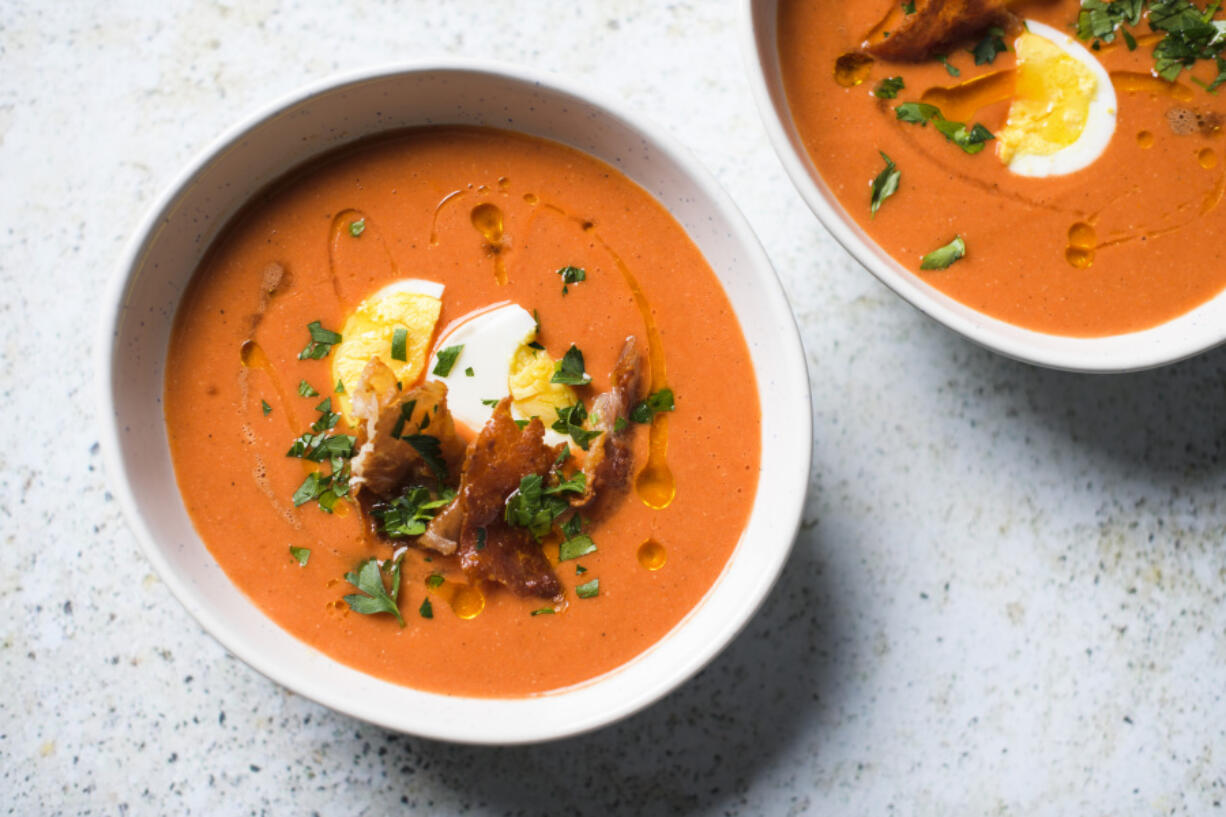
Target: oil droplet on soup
(487, 218)
(1207, 159)
(1145, 139)
(1082, 241)
(466, 601)
(652, 555)
(852, 69)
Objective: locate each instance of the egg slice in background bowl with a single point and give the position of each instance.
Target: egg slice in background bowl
(1063, 112)
(496, 359)
(412, 305)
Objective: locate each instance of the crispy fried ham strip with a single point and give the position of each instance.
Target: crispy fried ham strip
(490, 548)
(608, 463)
(934, 25)
(385, 463)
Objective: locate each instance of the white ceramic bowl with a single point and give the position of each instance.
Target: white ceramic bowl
(141, 304)
(1187, 335)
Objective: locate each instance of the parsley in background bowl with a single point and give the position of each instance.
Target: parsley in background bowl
(1187, 334)
(166, 251)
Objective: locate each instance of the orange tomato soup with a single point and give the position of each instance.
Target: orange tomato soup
(1133, 240)
(416, 192)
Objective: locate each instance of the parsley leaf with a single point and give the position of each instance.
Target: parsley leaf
(949, 68)
(570, 423)
(356, 228)
(569, 369)
(544, 611)
(267, 409)
(943, 257)
(990, 46)
(368, 578)
(301, 555)
(576, 546)
(588, 590)
(570, 275)
(446, 359)
(534, 507)
(426, 610)
(400, 343)
(889, 87)
(645, 410)
(434, 580)
(431, 450)
(885, 185)
(305, 389)
(919, 113)
(322, 341)
(410, 513)
(908, 7)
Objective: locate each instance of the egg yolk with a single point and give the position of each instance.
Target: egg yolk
(370, 330)
(532, 395)
(1051, 100)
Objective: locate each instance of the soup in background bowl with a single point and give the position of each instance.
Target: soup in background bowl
(341, 232)
(1043, 194)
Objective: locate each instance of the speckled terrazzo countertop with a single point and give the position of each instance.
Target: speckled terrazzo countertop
(1007, 597)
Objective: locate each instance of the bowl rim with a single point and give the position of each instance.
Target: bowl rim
(786, 507)
(1143, 349)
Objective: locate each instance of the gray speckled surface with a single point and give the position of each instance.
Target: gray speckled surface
(1007, 597)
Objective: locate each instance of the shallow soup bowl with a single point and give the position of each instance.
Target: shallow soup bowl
(140, 309)
(1184, 336)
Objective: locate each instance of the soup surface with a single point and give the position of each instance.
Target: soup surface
(1130, 240)
(495, 218)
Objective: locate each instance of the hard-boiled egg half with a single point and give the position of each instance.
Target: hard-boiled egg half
(1063, 112)
(491, 354)
(396, 324)
(484, 356)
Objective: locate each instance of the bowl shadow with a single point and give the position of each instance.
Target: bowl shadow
(705, 744)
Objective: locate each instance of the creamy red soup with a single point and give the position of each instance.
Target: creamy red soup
(1054, 207)
(545, 586)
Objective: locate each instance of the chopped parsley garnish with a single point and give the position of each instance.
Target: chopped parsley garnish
(368, 578)
(426, 610)
(619, 425)
(578, 545)
(481, 538)
(885, 185)
(469, 372)
(943, 257)
(356, 228)
(446, 359)
(410, 513)
(491, 402)
(920, 113)
(267, 409)
(580, 570)
(1191, 34)
(306, 390)
(536, 318)
(535, 507)
(321, 446)
(569, 369)
(991, 46)
(544, 611)
(400, 343)
(340, 387)
(434, 580)
(430, 450)
(322, 341)
(588, 590)
(570, 275)
(949, 68)
(908, 7)
(645, 410)
(301, 555)
(889, 87)
(570, 423)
